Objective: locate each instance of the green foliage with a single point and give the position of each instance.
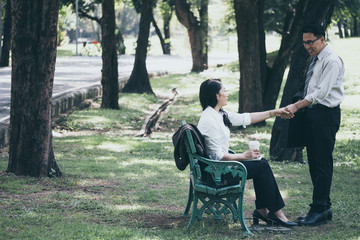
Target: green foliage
(273, 15)
(166, 9)
(275, 12)
(345, 9)
(67, 18)
(127, 19)
(138, 3)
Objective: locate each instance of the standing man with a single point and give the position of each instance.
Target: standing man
(322, 95)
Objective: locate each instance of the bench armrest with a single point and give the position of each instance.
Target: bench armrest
(218, 168)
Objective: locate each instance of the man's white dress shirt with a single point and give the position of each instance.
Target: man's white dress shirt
(326, 83)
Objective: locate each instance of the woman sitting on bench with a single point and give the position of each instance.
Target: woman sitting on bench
(214, 124)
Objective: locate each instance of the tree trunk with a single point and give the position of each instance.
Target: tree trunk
(247, 26)
(167, 30)
(355, 31)
(197, 31)
(139, 80)
(204, 26)
(346, 32)
(158, 32)
(120, 43)
(291, 31)
(167, 34)
(317, 11)
(109, 79)
(34, 34)
(262, 47)
(5, 51)
(339, 24)
(1, 24)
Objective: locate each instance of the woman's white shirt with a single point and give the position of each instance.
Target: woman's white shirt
(216, 134)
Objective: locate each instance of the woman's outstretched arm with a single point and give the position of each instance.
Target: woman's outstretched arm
(261, 116)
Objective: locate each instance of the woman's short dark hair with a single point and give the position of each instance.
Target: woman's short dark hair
(208, 90)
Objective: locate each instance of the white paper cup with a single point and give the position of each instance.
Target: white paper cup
(254, 145)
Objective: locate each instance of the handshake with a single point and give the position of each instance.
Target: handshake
(285, 112)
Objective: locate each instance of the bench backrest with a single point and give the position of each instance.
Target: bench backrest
(215, 168)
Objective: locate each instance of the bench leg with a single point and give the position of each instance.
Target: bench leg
(194, 211)
(241, 217)
(190, 199)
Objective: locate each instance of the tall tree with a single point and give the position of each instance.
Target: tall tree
(319, 12)
(158, 32)
(137, 5)
(197, 30)
(289, 37)
(347, 12)
(248, 29)
(260, 82)
(5, 51)
(1, 23)
(34, 38)
(139, 81)
(109, 78)
(167, 8)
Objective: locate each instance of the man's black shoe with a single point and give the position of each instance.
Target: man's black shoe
(316, 218)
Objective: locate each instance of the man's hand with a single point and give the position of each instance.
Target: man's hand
(289, 111)
(283, 113)
(293, 108)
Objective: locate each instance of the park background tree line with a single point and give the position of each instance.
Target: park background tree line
(31, 34)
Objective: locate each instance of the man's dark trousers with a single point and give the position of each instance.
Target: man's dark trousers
(321, 123)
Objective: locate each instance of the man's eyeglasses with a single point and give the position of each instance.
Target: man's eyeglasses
(310, 42)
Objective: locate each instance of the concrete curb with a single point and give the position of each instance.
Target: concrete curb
(65, 101)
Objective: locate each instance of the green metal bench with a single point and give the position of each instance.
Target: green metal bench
(220, 199)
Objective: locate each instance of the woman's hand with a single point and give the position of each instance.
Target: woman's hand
(250, 154)
(247, 155)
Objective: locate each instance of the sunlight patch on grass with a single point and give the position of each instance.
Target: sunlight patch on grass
(127, 207)
(260, 135)
(144, 162)
(87, 182)
(104, 158)
(284, 193)
(95, 119)
(238, 141)
(351, 101)
(113, 147)
(346, 135)
(70, 140)
(216, 73)
(89, 147)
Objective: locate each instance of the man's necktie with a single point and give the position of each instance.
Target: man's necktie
(309, 74)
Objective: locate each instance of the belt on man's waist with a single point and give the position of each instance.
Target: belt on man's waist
(320, 106)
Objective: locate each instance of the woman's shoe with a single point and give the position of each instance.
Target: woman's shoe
(257, 216)
(277, 220)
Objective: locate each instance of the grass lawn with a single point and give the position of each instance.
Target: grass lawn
(119, 186)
